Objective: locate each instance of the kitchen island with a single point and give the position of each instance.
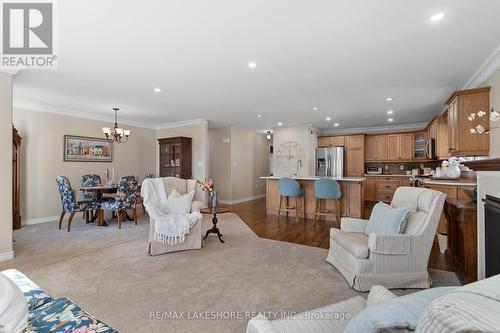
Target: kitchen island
(352, 196)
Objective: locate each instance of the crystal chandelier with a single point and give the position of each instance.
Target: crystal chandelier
(117, 134)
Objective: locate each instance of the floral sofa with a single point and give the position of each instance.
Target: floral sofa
(46, 314)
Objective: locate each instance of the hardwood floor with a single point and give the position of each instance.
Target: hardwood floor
(253, 213)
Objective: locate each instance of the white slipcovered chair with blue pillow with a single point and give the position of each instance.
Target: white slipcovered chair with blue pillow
(393, 247)
(471, 308)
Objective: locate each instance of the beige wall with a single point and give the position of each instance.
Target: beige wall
(236, 166)
(42, 158)
(6, 251)
(302, 135)
(220, 161)
(199, 135)
(494, 82)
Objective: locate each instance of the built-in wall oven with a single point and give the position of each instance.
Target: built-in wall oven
(492, 235)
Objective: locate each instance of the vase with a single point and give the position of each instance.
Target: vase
(213, 199)
(454, 171)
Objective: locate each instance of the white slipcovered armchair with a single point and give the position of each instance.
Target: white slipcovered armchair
(391, 260)
(193, 240)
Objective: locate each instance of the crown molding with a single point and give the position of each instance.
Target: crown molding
(181, 124)
(488, 67)
(31, 106)
(9, 71)
(376, 129)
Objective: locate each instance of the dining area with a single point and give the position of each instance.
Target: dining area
(99, 201)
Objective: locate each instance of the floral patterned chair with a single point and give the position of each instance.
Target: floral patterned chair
(47, 315)
(69, 204)
(88, 181)
(125, 199)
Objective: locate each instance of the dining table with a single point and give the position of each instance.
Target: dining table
(100, 190)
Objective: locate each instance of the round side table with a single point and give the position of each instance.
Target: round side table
(214, 229)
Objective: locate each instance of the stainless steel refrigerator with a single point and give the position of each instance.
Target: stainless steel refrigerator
(330, 162)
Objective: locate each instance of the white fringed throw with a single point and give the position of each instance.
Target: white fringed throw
(169, 228)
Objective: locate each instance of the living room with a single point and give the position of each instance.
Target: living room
(260, 167)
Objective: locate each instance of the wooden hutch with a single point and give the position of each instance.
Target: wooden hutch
(175, 157)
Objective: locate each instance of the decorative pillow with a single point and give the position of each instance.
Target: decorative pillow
(387, 220)
(35, 296)
(62, 315)
(400, 313)
(179, 204)
(13, 307)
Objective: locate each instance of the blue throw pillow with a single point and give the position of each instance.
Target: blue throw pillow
(387, 220)
(397, 313)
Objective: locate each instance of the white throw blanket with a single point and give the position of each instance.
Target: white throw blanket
(169, 228)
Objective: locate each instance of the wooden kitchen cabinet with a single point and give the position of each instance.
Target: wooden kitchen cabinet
(459, 107)
(393, 147)
(355, 155)
(331, 141)
(438, 130)
(377, 147)
(406, 151)
(370, 190)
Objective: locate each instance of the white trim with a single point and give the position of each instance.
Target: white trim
(377, 129)
(180, 124)
(237, 201)
(7, 256)
(485, 70)
(40, 220)
(26, 105)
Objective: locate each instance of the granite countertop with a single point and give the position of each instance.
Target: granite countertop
(340, 179)
(458, 182)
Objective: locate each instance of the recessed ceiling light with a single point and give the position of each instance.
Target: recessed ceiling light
(157, 90)
(388, 99)
(280, 124)
(259, 116)
(437, 17)
(328, 118)
(315, 108)
(336, 124)
(390, 120)
(252, 65)
(390, 112)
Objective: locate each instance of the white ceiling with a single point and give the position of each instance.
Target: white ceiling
(344, 57)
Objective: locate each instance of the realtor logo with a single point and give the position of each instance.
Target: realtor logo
(28, 35)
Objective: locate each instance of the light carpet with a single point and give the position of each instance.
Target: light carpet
(108, 272)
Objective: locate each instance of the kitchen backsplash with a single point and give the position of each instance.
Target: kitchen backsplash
(395, 168)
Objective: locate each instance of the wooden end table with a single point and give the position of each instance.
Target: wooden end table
(214, 229)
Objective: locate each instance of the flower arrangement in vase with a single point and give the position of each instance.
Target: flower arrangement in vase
(213, 197)
(480, 129)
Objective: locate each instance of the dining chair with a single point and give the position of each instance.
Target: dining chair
(89, 181)
(68, 202)
(125, 199)
(327, 189)
(289, 187)
(138, 198)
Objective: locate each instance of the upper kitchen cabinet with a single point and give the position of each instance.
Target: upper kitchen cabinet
(331, 141)
(400, 146)
(460, 106)
(376, 147)
(419, 139)
(438, 130)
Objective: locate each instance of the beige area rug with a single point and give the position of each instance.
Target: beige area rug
(107, 272)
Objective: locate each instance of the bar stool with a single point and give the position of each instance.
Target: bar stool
(327, 189)
(291, 188)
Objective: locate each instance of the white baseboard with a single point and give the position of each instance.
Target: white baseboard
(7, 256)
(237, 201)
(40, 220)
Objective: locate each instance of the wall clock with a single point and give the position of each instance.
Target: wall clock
(289, 158)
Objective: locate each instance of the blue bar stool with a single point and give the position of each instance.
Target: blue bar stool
(291, 188)
(327, 189)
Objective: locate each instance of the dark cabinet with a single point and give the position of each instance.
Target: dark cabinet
(175, 157)
(462, 238)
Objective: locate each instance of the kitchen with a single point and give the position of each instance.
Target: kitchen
(370, 166)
